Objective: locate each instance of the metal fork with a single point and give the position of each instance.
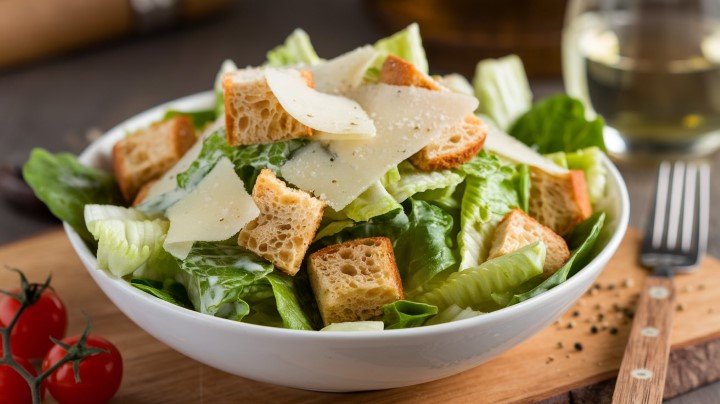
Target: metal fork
(675, 241)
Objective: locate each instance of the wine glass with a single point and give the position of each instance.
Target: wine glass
(651, 68)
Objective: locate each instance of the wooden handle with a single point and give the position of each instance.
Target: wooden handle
(644, 365)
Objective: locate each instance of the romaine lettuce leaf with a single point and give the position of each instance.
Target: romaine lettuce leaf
(503, 90)
(490, 192)
(391, 225)
(331, 228)
(411, 181)
(224, 280)
(581, 240)
(590, 160)
(374, 201)
(198, 118)
(406, 314)
(297, 50)
(405, 44)
(424, 251)
(446, 198)
(473, 287)
(558, 123)
(453, 313)
(66, 186)
(170, 291)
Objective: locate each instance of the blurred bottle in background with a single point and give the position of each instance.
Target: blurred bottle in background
(651, 68)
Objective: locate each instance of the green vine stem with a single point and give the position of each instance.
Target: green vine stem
(29, 294)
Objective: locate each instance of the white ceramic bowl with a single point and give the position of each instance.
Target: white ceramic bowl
(341, 361)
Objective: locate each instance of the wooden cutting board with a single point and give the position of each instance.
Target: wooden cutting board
(546, 367)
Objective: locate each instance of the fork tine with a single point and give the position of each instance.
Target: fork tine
(689, 206)
(661, 193)
(704, 208)
(676, 197)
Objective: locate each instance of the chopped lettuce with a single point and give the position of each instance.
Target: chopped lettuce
(558, 123)
(591, 161)
(405, 44)
(453, 313)
(66, 186)
(406, 314)
(297, 50)
(474, 287)
(374, 201)
(490, 192)
(224, 280)
(410, 181)
(503, 90)
(332, 228)
(424, 251)
(198, 118)
(391, 225)
(355, 326)
(169, 291)
(446, 198)
(523, 187)
(582, 240)
(124, 245)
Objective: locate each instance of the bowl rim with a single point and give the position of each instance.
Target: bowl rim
(204, 100)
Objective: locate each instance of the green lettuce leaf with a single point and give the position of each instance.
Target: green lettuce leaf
(374, 201)
(332, 228)
(248, 160)
(127, 239)
(169, 291)
(391, 225)
(66, 186)
(581, 240)
(558, 123)
(474, 287)
(287, 303)
(297, 50)
(405, 44)
(453, 313)
(446, 198)
(490, 192)
(406, 314)
(410, 181)
(424, 251)
(503, 90)
(590, 160)
(198, 118)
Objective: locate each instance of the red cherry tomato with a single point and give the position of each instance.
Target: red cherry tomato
(13, 388)
(100, 374)
(30, 338)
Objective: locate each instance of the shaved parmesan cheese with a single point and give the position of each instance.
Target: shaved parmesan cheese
(514, 150)
(216, 210)
(407, 119)
(319, 111)
(345, 72)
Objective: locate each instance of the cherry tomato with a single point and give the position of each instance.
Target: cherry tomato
(13, 388)
(30, 338)
(100, 374)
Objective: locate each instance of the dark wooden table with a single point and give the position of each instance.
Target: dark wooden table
(61, 103)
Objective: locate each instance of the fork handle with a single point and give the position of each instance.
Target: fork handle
(644, 365)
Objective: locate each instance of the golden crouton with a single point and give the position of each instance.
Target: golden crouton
(518, 230)
(146, 154)
(352, 281)
(559, 201)
(253, 114)
(287, 223)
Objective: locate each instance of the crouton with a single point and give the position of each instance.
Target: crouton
(253, 114)
(399, 72)
(146, 154)
(287, 223)
(352, 281)
(518, 230)
(143, 193)
(458, 143)
(559, 201)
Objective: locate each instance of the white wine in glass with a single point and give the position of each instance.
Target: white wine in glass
(651, 68)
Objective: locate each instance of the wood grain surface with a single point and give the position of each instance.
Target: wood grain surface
(572, 358)
(641, 378)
